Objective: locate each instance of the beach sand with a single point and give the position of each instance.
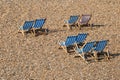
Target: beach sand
(38, 58)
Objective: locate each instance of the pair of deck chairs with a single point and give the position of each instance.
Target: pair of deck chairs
(73, 41)
(32, 25)
(78, 22)
(94, 47)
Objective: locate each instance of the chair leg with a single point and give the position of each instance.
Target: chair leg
(80, 27)
(19, 31)
(46, 31)
(60, 47)
(91, 26)
(105, 55)
(108, 54)
(91, 55)
(76, 25)
(83, 57)
(65, 48)
(69, 27)
(23, 33)
(95, 55)
(34, 32)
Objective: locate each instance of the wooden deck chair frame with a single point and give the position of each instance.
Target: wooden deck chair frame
(34, 29)
(86, 23)
(65, 47)
(82, 55)
(23, 31)
(75, 23)
(107, 55)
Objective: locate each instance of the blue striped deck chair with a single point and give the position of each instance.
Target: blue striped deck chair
(72, 21)
(38, 24)
(99, 48)
(26, 26)
(85, 49)
(84, 20)
(81, 37)
(70, 41)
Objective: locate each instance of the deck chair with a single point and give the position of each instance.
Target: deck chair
(72, 21)
(81, 38)
(100, 46)
(85, 49)
(69, 42)
(38, 24)
(26, 27)
(84, 20)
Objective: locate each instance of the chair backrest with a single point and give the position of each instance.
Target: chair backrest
(39, 23)
(70, 40)
(28, 25)
(88, 46)
(100, 45)
(85, 19)
(73, 19)
(81, 37)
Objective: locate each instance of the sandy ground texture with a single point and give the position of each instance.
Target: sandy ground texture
(38, 58)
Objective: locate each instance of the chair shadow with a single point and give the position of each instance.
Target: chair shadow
(88, 58)
(115, 55)
(87, 25)
(70, 49)
(27, 32)
(101, 57)
(41, 32)
(97, 25)
(46, 31)
(55, 30)
(93, 25)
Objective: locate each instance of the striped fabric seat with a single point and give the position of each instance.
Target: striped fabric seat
(39, 23)
(85, 18)
(72, 19)
(81, 38)
(27, 25)
(100, 45)
(69, 41)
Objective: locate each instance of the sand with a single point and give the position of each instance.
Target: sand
(38, 58)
